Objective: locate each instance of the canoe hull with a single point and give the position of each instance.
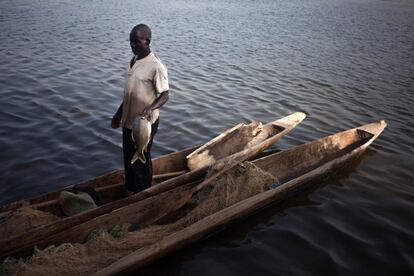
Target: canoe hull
(246, 207)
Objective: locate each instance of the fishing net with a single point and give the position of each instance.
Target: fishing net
(241, 182)
(23, 219)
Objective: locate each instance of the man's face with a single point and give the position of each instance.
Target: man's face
(139, 42)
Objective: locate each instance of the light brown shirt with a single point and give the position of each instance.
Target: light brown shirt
(144, 81)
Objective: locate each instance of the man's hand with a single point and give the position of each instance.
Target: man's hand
(116, 121)
(160, 101)
(146, 113)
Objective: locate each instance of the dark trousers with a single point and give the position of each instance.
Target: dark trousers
(138, 176)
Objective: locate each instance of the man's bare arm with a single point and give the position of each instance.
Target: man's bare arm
(160, 101)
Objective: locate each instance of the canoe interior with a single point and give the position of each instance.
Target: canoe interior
(232, 141)
(297, 161)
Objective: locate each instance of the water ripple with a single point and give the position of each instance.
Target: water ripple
(344, 63)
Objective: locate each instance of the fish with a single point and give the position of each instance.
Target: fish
(141, 135)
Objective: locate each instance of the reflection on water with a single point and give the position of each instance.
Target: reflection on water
(343, 62)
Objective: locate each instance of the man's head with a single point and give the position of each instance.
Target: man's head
(140, 39)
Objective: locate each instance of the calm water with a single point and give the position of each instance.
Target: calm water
(343, 62)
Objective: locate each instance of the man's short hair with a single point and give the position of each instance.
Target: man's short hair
(142, 27)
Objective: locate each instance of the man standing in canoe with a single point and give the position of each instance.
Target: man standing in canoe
(146, 90)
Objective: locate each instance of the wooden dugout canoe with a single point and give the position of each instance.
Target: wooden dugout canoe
(69, 229)
(293, 168)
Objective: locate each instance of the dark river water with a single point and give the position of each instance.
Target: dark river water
(343, 62)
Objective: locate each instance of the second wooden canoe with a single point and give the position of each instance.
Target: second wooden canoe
(67, 229)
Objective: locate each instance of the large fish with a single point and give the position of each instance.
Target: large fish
(141, 135)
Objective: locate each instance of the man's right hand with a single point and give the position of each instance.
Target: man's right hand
(115, 122)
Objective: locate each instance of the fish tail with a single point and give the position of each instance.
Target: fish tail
(135, 157)
(142, 155)
(142, 158)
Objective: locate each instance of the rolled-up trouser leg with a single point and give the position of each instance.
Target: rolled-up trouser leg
(138, 176)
